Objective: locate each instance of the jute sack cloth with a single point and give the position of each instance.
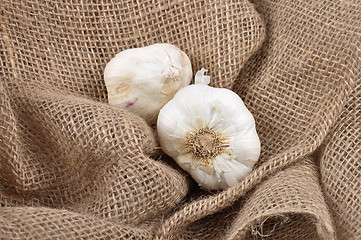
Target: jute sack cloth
(73, 167)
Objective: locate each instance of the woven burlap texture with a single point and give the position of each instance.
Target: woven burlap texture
(73, 167)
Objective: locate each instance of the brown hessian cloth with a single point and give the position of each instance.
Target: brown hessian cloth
(73, 167)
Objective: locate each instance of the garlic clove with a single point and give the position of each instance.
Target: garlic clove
(143, 80)
(210, 133)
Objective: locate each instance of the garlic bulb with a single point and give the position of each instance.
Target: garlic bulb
(210, 133)
(142, 80)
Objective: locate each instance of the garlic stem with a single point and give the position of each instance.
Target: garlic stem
(200, 78)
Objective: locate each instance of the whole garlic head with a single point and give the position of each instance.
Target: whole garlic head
(143, 80)
(210, 133)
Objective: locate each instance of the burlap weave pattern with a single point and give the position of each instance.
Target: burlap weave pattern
(73, 167)
(340, 168)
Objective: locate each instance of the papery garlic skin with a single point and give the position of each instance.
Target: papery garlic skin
(210, 133)
(143, 80)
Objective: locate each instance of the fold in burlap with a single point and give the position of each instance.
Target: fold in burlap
(73, 167)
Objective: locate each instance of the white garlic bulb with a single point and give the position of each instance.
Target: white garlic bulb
(142, 80)
(210, 133)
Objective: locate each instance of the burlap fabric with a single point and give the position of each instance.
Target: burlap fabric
(73, 167)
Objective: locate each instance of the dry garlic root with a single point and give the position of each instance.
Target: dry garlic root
(142, 80)
(210, 133)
